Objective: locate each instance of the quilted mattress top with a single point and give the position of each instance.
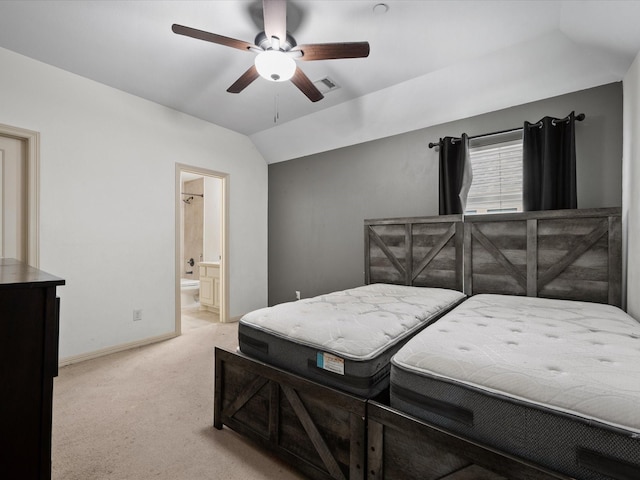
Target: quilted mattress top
(577, 357)
(358, 323)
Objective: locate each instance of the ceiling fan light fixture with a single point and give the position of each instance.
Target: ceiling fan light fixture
(275, 65)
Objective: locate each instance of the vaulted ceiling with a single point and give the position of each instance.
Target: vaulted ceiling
(430, 61)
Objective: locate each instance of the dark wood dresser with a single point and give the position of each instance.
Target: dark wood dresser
(29, 314)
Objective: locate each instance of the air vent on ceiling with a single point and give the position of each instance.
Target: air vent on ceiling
(326, 85)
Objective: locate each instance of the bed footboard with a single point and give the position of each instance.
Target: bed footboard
(318, 430)
(401, 446)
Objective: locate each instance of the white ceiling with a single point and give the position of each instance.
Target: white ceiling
(430, 61)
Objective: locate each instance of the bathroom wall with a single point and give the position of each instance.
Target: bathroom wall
(212, 219)
(193, 231)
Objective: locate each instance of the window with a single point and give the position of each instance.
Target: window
(496, 162)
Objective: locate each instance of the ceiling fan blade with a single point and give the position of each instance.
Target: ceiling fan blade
(244, 81)
(211, 37)
(306, 86)
(275, 19)
(329, 51)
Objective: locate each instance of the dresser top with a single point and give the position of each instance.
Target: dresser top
(14, 273)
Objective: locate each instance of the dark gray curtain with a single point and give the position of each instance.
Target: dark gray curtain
(549, 164)
(455, 174)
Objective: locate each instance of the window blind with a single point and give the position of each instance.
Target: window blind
(497, 178)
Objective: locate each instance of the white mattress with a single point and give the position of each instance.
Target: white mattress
(577, 357)
(358, 323)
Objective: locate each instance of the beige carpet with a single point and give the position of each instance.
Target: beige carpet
(147, 414)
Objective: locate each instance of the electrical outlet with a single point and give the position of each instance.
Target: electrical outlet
(297, 294)
(137, 315)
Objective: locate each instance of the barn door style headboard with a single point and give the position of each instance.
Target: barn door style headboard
(570, 254)
(418, 251)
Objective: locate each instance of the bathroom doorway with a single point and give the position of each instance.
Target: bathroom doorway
(201, 247)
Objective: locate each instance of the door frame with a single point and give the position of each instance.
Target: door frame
(31, 141)
(224, 239)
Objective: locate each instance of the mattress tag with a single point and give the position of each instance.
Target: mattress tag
(326, 361)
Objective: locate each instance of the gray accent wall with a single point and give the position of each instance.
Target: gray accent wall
(317, 204)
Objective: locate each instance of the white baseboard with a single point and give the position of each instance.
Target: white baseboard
(115, 349)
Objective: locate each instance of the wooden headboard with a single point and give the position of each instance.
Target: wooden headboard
(418, 251)
(570, 254)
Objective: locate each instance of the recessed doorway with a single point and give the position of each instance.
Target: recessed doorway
(19, 201)
(201, 247)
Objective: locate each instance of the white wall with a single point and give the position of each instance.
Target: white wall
(107, 211)
(630, 184)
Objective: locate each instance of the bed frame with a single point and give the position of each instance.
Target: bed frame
(402, 446)
(320, 430)
(330, 434)
(572, 254)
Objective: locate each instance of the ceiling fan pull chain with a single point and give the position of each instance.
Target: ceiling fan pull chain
(276, 115)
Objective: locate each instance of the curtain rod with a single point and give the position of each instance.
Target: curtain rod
(579, 117)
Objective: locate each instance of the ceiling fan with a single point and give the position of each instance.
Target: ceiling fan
(277, 51)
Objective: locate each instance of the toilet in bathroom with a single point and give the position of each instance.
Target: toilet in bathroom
(189, 292)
